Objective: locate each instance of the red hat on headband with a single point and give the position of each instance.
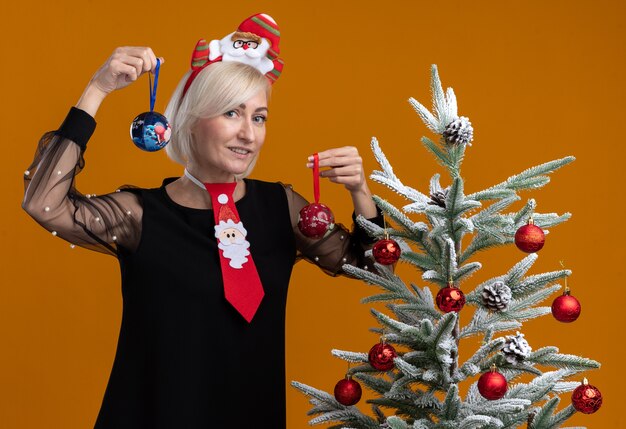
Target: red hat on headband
(256, 43)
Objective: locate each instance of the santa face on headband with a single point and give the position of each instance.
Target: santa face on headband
(247, 48)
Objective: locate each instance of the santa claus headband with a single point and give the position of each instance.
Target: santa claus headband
(254, 43)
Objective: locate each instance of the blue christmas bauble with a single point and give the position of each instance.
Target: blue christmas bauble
(150, 131)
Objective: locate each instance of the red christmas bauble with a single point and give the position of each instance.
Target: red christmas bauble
(450, 299)
(529, 238)
(586, 398)
(386, 251)
(566, 308)
(492, 385)
(315, 220)
(381, 356)
(347, 391)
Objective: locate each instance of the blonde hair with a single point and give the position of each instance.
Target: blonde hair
(217, 89)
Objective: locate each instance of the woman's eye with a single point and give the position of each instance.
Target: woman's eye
(260, 119)
(230, 114)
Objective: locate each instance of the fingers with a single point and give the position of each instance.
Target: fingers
(337, 157)
(119, 68)
(345, 166)
(353, 170)
(142, 59)
(346, 170)
(350, 176)
(130, 66)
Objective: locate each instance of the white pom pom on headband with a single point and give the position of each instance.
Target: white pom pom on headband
(254, 43)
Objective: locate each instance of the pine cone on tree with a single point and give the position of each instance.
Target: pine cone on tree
(459, 131)
(438, 197)
(516, 348)
(497, 296)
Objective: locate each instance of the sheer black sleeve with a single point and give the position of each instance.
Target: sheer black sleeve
(337, 248)
(99, 223)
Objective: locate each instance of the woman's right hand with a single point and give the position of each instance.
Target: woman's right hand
(122, 68)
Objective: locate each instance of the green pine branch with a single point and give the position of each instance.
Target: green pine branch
(531, 178)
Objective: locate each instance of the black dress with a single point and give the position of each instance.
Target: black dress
(186, 359)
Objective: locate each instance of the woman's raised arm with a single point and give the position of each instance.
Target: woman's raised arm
(50, 197)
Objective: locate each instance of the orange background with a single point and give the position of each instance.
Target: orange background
(539, 80)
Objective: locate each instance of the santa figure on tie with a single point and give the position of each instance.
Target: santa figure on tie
(231, 236)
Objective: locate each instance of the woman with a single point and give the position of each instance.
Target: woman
(186, 357)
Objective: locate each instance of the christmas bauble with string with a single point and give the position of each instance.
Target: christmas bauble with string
(348, 391)
(586, 398)
(381, 356)
(566, 308)
(386, 251)
(315, 220)
(450, 298)
(492, 385)
(150, 131)
(530, 238)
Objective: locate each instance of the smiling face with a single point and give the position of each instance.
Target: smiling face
(226, 145)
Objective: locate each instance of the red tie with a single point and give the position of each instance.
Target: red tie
(242, 285)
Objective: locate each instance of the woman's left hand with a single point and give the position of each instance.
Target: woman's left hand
(345, 166)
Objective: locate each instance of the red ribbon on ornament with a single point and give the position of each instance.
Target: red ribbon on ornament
(316, 177)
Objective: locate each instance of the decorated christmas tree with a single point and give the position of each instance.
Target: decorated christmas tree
(415, 371)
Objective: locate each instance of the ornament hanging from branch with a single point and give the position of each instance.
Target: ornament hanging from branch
(450, 298)
(386, 251)
(530, 238)
(381, 356)
(586, 398)
(347, 390)
(566, 308)
(492, 385)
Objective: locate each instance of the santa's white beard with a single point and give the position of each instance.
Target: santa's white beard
(235, 251)
(230, 53)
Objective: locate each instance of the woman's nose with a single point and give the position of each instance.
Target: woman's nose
(246, 132)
